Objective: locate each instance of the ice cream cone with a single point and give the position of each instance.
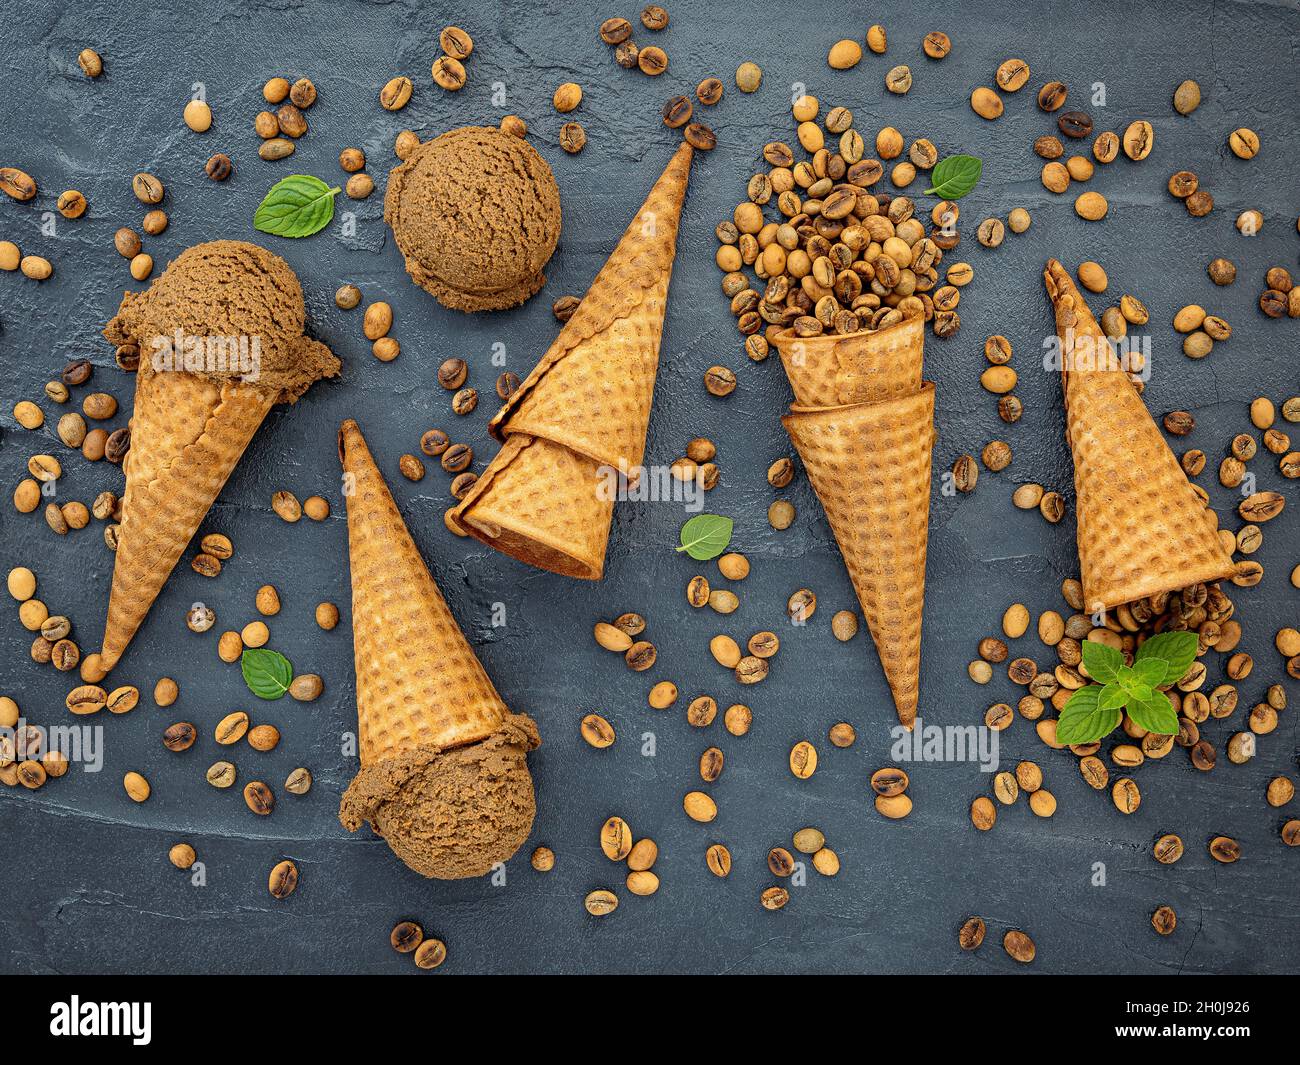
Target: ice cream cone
(419, 684)
(589, 395)
(187, 435)
(220, 337)
(832, 370)
(542, 504)
(869, 464)
(444, 777)
(1141, 527)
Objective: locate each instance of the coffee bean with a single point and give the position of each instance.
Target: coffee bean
(700, 137)
(1168, 849)
(971, 934)
(573, 138)
(598, 732)
(259, 798)
(965, 473)
(803, 759)
(283, 880)
(1164, 920)
(406, 936)
(221, 774)
(1077, 124)
(889, 781)
(449, 73)
(457, 458)
(718, 860)
(1051, 96)
(1126, 796)
(677, 112)
(137, 787)
(983, 813)
(780, 861)
(699, 807)
(219, 167)
(179, 736)
(434, 442)
(774, 898)
(641, 656)
(205, 565)
(1225, 849)
(709, 91)
(615, 30)
(626, 55)
(117, 445)
(1019, 947)
(147, 188)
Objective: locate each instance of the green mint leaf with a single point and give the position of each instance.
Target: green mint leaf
(1176, 649)
(297, 206)
(267, 673)
(1155, 714)
(706, 536)
(1082, 720)
(1113, 696)
(1150, 671)
(1102, 662)
(955, 176)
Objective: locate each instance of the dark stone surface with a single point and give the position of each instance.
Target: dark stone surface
(84, 874)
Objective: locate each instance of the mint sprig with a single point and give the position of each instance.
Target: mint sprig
(955, 176)
(297, 206)
(267, 673)
(706, 536)
(1096, 709)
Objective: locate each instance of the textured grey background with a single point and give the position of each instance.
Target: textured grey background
(84, 874)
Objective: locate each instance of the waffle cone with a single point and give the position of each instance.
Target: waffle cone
(582, 413)
(869, 464)
(1141, 527)
(187, 435)
(542, 504)
(419, 684)
(831, 371)
(592, 389)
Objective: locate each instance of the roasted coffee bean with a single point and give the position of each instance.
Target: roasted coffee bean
(179, 736)
(1168, 849)
(971, 934)
(1126, 796)
(780, 861)
(449, 73)
(1225, 849)
(117, 445)
(1048, 147)
(677, 111)
(1077, 124)
(1164, 920)
(1051, 97)
(147, 188)
(283, 880)
(709, 91)
(711, 762)
(219, 167)
(259, 798)
(76, 373)
(457, 458)
(598, 732)
(701, 137)
(615, 30)
(641, 656)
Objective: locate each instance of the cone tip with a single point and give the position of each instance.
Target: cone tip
(349, 433)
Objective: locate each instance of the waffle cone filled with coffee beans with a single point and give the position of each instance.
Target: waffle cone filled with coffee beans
(579, 420)
(863, 424)
(1142, 528)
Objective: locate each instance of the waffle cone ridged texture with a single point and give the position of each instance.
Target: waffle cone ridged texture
(1141, 527)
(196, 409)
(586, 405)
(419, 683)
(188, 434)
(444, 776)
(863, 424)
(832, 370)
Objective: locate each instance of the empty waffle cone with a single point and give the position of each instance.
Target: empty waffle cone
(444, 777)
(869, 464)
(187, 435)
(419, 684)
(1141, 527)
(834, 370)
(579, 419)
(544, 505)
